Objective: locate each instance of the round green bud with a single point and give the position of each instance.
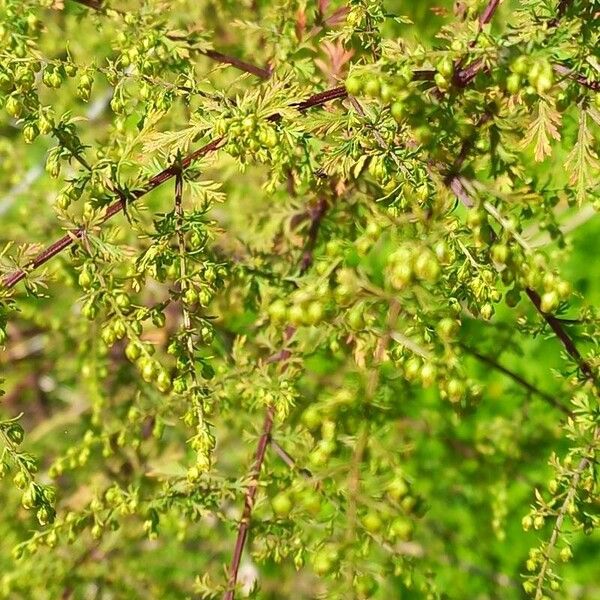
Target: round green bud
(427, 267)
(456, 390)
(324, 560)
(314, 313)
(190, 296)
(354, 85)
(14, 107)
(295, 314)
(513, 83)
(29, 499)
(85, 278)
(486, 312)
(549, 302)
(311, 502)
(30, 132)
(401, 529)
(500, 253)
(448, 328)
(398, 111)
(566, 554)
(282, 504)
(278, 311)
(446, 67)
(148, 369)
(373, 87)
(122, 300)
(163, 381)
(397, 488)
(372, 522)
(520, 65)
(312, 417)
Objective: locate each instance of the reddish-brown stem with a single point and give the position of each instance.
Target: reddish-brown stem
(10, 280)
(315, 214)
(322, 98)
(244, 526)
(263, 441)
(116, 207)
(242, 65)
(488, 12)
(580, 79)
(560, 332)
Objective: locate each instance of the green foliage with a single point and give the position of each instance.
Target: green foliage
(325, 305)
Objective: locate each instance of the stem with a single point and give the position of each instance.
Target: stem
(242, 65)
(287, 458)
(282, 356)
(187, 321)
(566, 340)
(580, 79)
(244, 526)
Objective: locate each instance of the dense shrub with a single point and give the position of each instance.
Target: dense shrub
(322, 322)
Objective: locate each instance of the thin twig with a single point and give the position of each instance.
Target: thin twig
(287, 458)
(488, 360)
(580, 79)
(488, 12)
(316, 214)
(242, 65)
